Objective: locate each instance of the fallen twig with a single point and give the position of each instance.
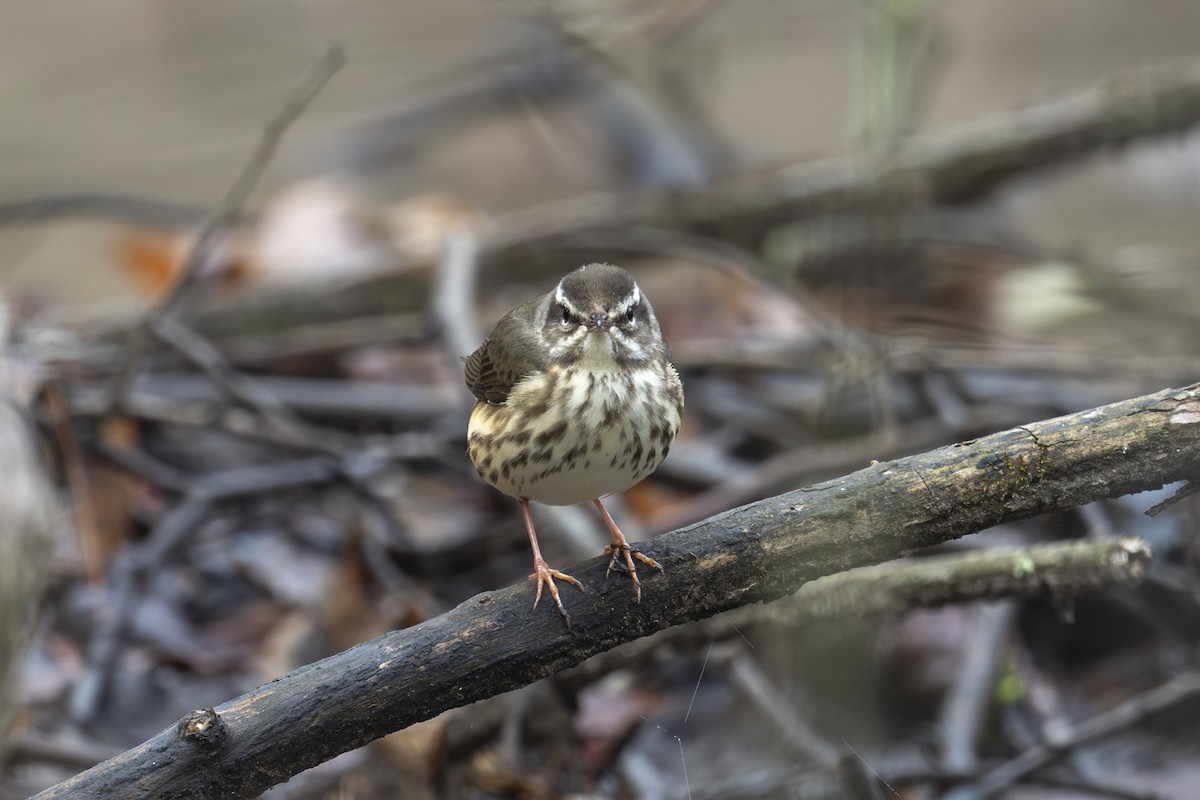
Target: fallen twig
(807, 742)
(133, 564)
(966, 705)
(1132, 711)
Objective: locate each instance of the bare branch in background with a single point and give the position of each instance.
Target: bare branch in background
(226, 213)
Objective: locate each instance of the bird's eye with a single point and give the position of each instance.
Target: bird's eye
(631, 313)
(566, 316)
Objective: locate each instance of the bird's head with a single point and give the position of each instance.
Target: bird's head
(596, 314)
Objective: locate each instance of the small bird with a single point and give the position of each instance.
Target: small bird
(576, 398)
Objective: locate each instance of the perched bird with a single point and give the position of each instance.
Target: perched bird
(576, 398)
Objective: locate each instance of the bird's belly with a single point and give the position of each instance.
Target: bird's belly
(575, 470)
(566, 446)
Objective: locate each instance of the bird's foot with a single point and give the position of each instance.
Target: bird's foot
(623, 554)
(544, 575)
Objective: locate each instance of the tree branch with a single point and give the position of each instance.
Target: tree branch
(495, 642)
(1179, 689)
(1061, 568)
(956, 166)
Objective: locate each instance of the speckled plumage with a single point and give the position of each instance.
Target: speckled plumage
(576, 398)
(603, 435)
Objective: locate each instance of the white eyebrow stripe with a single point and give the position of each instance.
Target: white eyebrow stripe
(631, 301)
(560, 297)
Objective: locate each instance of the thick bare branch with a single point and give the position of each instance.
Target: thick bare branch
(495, 642)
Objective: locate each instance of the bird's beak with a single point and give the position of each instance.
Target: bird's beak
(599, 320)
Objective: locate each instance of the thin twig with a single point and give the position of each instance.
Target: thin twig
(1129, 713)
(202, 354)
(241, 387)
(1188, 489)
(968, 700)
(226, 213)
(140, 463)
(454, 294)
(132, 565)
(768, 698)
(1094, 788)
(128, 568)
(78, 483)
(154, 213)
(231, 205)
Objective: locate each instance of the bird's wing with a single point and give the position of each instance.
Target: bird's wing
(510, 353)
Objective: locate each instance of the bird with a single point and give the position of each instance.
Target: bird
(576, 398)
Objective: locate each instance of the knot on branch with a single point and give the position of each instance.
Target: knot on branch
(204, 728)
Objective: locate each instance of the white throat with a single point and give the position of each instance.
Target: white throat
(599, 351)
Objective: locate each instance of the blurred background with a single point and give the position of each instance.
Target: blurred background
(869, 228)
(165, 102)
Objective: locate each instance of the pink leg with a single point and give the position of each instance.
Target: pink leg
(620, 545)
(542, 572)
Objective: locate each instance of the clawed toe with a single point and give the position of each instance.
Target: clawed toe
(623, 555)
(544, 575)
